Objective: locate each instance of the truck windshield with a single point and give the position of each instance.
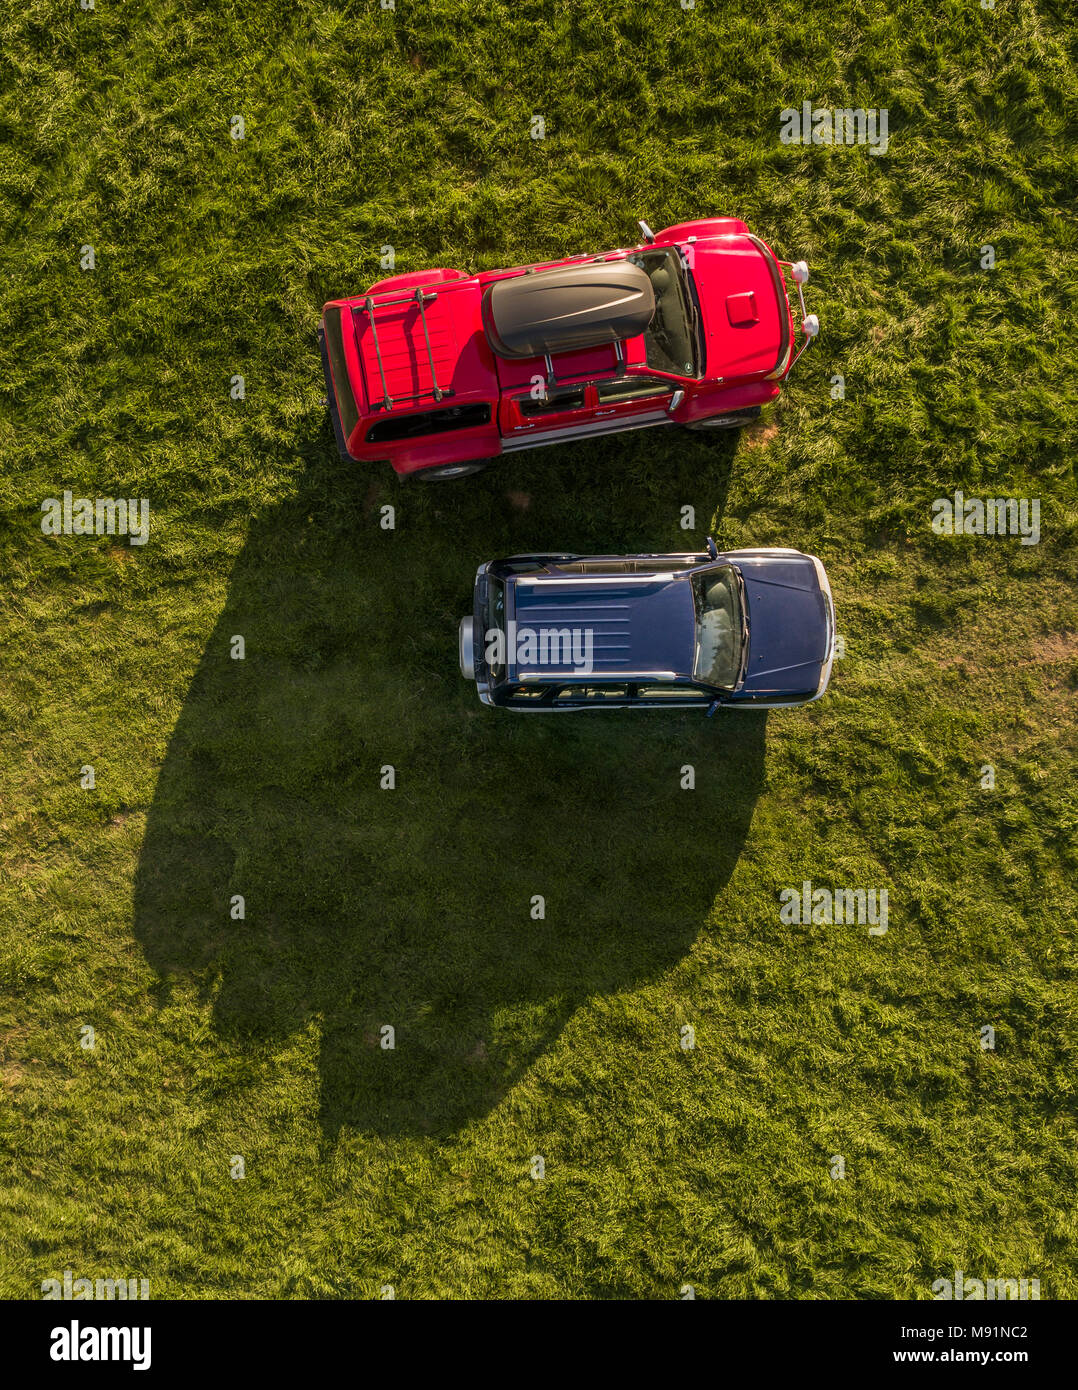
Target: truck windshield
(719, 627)
(670, 340)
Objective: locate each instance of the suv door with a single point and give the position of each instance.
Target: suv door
(595, 696)
(667, 695)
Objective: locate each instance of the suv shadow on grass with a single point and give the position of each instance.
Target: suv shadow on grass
(413, 906)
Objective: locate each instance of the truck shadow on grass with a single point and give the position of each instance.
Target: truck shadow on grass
(413, 906)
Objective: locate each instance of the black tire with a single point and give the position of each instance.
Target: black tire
(733, 421)
(448, 471)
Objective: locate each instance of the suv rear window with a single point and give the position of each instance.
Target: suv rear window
(420, 422)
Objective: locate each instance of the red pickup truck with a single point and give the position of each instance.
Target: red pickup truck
(440, 372)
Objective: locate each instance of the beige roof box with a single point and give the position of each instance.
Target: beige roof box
(574, 306)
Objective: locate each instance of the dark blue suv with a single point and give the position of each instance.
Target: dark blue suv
(748, 629)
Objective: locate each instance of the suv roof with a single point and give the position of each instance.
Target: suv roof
(643, 625)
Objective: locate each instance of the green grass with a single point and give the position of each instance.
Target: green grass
(214, 777)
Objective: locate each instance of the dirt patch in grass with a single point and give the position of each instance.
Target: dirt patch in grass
(13, 1071)
(12, 1074)
(1054, 647)
(760, 435)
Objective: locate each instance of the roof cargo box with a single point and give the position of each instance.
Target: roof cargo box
(573, 307)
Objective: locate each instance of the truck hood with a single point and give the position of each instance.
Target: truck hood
(746, 317)
(788, 625)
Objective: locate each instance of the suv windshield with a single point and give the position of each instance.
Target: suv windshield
(670, 339)
(719, 626)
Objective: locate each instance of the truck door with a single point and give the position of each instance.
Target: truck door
(628, 396)
(564, 407)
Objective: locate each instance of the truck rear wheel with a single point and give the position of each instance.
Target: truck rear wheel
(447, 471)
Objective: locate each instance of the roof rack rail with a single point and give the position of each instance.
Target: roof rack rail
(420, 298)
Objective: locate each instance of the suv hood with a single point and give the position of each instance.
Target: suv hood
(788, 625)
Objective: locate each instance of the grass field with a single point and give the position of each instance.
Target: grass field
(260, 1038)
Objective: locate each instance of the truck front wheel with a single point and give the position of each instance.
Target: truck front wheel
(733, 421)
